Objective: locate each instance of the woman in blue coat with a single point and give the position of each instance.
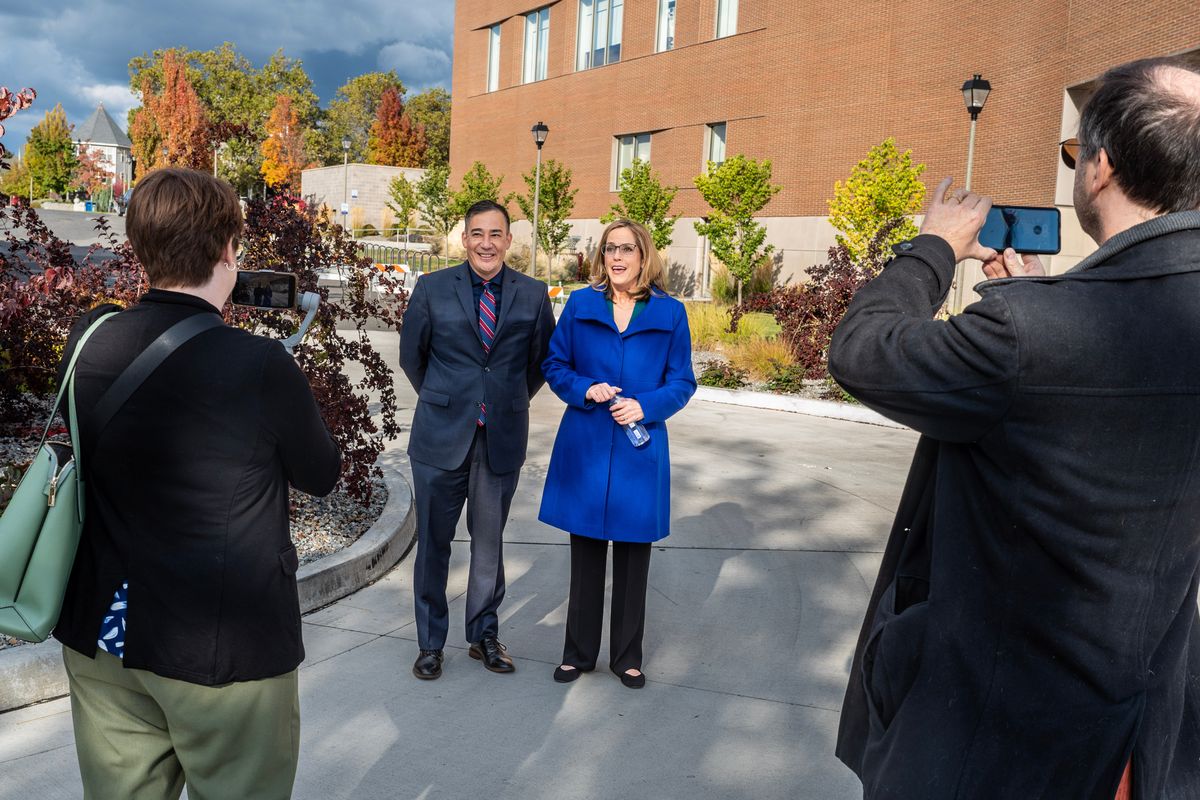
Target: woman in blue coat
(622, 339)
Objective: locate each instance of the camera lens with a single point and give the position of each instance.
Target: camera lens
(1037, 230)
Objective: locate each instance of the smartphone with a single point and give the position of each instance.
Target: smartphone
(1025, 229)
(264, 289)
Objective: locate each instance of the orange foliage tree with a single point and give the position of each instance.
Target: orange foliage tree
(174, 119)
(395, 140)
(94, 170)
(283, 150)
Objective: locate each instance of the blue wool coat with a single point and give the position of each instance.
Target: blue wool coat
(599, 485)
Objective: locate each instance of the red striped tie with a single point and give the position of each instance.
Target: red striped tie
(487, 331)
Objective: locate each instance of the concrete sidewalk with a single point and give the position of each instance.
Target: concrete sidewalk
(754, 608)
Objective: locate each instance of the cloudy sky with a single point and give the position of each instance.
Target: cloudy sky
(77, 53)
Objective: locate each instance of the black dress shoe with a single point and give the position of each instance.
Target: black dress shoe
(491, 653)
(631, 681)
(563, 675)
(428, 665)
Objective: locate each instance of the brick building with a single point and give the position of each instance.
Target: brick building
(812, 86)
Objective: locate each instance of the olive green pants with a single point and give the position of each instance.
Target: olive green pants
(142, 737)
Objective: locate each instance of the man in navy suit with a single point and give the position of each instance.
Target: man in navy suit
(472, 345)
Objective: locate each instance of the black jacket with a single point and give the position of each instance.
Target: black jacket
(442, 355)
(187, 497)
(1034, 624)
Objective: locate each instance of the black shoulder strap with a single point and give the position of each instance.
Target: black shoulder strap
(136, 373)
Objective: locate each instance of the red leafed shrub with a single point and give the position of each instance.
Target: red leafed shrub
(45, 289)
(809, 313)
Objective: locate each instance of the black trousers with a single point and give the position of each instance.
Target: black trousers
(585, 608)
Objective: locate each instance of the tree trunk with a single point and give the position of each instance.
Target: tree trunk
(739, 291)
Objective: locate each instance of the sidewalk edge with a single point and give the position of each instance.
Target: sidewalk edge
(828, 409)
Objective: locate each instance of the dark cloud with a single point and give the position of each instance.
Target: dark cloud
(77, 53)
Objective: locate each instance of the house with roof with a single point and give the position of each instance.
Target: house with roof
(101, 132)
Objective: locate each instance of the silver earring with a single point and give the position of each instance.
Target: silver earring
(230, 267)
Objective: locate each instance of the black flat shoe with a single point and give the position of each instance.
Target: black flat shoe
(491, 653)
(428, 665)
(566, 675)
(631, 681)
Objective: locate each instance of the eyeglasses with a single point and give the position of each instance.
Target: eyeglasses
(623, 249)
(1069, 150)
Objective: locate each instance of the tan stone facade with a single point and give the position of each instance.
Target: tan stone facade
(363, 187)
(812, 86)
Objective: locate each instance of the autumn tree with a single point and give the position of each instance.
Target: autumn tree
(238, 97)
(883, 188)
(431, 109)
(351, 114)
(93, 172)
(50, 153)
(283, 151)
(172, 128)
(395, 141)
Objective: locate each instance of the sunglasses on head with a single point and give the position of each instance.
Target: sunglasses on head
(1069, 150)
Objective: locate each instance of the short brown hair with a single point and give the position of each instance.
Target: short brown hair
(652, 276)
(179, 221)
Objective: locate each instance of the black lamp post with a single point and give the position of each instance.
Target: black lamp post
(540, 132)
(975, 94)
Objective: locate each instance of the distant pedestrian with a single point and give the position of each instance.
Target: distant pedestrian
(1033, 632)
(622, 339)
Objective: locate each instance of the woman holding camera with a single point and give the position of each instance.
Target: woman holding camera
(181, 624)
(621, 356)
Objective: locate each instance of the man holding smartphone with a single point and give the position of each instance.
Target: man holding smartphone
(1034, 629)
(472, 345)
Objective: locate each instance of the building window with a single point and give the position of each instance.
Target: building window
(537, 40)
(715, 146)
(599, 33)
(726, 17)
(666, 26)
(493, 75)
(634, 147)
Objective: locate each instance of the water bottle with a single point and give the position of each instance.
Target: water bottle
(636, 431)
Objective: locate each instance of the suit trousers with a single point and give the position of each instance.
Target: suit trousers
(585, 607)
(439, 496)
(140, 736)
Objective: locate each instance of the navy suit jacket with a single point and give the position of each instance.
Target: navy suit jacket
(443, 357)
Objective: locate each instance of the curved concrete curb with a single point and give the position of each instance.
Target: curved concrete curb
(797, 405)
(33, 673)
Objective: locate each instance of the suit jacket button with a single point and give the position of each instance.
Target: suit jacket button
(487, 369)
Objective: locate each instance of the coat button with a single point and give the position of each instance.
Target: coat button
(487, 369)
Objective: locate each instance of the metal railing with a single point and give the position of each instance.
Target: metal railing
(419, 261)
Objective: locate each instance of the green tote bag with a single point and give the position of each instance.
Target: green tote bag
(40, 528)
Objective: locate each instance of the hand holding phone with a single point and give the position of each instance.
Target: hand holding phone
(1008, 264)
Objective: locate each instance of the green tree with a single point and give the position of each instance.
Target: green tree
(642, 198)
(351, 114)
(736, 191)
(14, 181)
(477, 184)
(882, 188)
(50, 154)
(436, 202)
(431, 108)
(404, 201)
(556, 201)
